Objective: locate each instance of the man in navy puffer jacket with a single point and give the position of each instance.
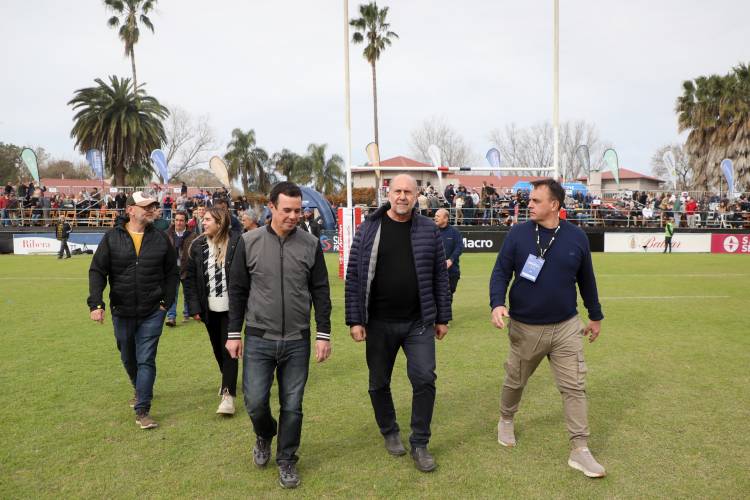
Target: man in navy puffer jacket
(398, 296)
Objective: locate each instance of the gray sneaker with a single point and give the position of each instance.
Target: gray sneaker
(393, 444)
(288, 476)
(505, 434)
(261, 451)
(581, 459)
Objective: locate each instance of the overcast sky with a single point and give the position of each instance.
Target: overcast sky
(277, 67)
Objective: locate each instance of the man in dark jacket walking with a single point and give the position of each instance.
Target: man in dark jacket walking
(181, 238)
(452, 244)
(141, 265)
(62, 232)
(309, 224)
(398, 297)
(277, 273)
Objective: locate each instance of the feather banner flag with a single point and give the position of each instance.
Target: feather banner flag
(219, 169)
(584, 158)
(671, 166)
(493, 158)
(28, 156)
(96, 162)
(160, 160)
(612, 164)
(727, 167)
(435, 156)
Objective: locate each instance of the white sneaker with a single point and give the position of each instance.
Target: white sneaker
(226, 407)
(505, 434)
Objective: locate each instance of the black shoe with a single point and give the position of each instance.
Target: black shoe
(423, 460)
(59, 257)
(170, 323)
(393, 445)
(288, 476)
(261, 451)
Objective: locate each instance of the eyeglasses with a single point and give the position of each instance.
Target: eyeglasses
(150, 208)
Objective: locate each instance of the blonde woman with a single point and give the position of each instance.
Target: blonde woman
(206, 290)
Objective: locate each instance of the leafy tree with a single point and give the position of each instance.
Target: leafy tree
(247, 161)
(125, 127)
(10, 163)
(127, 14)
(716, 111)
(289, 164)
(327, 175)
(66, 169)
(371, 28)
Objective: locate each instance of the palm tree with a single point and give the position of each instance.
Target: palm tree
(130, 12)
(716, 111)
(291, 165)
(125, 125)
(327, 175)
(247, 161)
(371, 26)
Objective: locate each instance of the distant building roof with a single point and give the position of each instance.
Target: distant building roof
(624, 174)
(403, 161)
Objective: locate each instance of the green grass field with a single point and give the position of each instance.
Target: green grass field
(668, 385)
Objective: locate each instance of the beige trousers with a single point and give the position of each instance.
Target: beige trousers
(562, 344)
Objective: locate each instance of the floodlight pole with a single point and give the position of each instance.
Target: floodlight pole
(347, 106)
(556, 91)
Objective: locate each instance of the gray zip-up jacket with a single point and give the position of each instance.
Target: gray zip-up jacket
(274, 281)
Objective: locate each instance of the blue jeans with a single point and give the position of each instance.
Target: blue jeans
(172, 313)
(137, 340)
(290, 360)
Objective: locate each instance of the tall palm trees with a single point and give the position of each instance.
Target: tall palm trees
(125, 125)
(127, 14)
(325, 174)
(247, 161)
(371, 28)
(716, 111)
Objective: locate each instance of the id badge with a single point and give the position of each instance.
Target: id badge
(532, 268)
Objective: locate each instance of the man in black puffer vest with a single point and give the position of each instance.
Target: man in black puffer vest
(398, 297)
(141, 265)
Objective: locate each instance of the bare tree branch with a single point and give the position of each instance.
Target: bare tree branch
(190, 141)
(454, 150)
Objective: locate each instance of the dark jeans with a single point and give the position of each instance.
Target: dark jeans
(384, 338)
(64, 247)
(289, 359)
(217, 324)
(453, 281)
(667, 244)
(137, 340)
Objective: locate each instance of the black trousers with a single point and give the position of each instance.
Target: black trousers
(217, 324)
(384, 339)
(667, 244)
(64, 247)
(453, 281)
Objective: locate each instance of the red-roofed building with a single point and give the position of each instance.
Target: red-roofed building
(424, 173)
(630, 180)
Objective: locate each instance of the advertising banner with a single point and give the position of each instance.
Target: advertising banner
(654, 242)
(482, 241)
(730, 243)
(46, 243)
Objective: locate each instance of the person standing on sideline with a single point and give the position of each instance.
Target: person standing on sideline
(398, 297)
(181, 238)
(668, 232)
(309, 224)
(195, 224)
(277, 273)
(141, 266)
(548, 257)
(453, 245)
(207, 294)
(62, 233)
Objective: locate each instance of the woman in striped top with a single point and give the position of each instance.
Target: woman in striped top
(207, 294)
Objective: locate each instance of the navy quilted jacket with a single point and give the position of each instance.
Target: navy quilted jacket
(429, 261)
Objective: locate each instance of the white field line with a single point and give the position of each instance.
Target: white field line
(666, 297)
(42, 278)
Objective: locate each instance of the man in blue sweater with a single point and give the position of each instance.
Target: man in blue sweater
(547, 257)
(452, 244)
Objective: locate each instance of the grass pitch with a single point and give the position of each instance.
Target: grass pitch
(668, 386)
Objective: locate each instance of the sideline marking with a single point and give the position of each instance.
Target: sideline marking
(667, 297)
